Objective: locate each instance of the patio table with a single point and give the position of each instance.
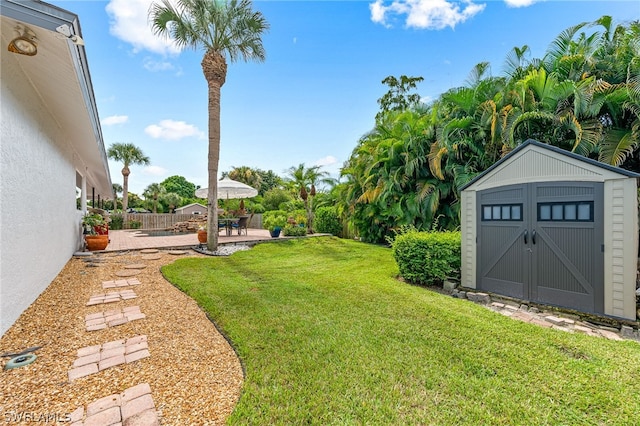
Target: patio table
(228, 223)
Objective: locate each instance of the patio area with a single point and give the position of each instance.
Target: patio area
(136, 239)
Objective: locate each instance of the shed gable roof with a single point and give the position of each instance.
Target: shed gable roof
(191, 205)
(536, 161)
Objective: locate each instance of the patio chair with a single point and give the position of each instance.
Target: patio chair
(222, 226)
(241, 224)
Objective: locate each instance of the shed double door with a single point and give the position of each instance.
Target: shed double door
(543, 242)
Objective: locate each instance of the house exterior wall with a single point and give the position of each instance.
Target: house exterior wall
(39, 222)
(620, 247)
(191, 208)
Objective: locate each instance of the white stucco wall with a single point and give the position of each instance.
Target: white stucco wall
(39, 223)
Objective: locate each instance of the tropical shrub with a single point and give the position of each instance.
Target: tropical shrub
(134, 224)
(117, 221)
(299, 216)
(257, 208)
(327, 221)
(274, 219)
(427, 257)
(274, 197)
(294, 231)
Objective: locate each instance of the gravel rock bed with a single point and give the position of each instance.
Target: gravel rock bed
(226, 250)
(194, 374)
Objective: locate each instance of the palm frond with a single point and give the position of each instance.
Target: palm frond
(617, 145)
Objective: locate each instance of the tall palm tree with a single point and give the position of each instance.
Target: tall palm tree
(153, 192)
(117, 188)
(303, 180)
(224, 29)
(128, 154)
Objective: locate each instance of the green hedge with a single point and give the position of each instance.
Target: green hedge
(117, 221)
(327, 221)
(427, 257)
(294, 231)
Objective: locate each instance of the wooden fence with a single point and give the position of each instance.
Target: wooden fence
(164, 221)
(156, 221)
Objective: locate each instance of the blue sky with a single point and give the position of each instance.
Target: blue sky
(315, 95)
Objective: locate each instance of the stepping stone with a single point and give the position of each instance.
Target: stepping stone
(135, 266)
(177, 252)
(149, 251)
(128, 272)
(152, 257)
(109, 355)
(134, 406)
(120, 283)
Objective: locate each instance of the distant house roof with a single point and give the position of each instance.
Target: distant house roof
(191, 205)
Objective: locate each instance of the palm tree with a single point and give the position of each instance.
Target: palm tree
(153, 192)
(246, 175)
(173, 200)
(224, 29)
(117, 188)
(128, 154)
(303, 180)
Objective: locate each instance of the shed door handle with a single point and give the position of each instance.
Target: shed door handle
(533, 236)
(526, 235)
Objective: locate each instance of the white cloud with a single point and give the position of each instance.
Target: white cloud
(155, 66)
(426, 14)
(377, 12)
(115, 119)
(426, 99)
(520, 3)
(329, 160)
(129, 21)
(154, 171)
(173, 130)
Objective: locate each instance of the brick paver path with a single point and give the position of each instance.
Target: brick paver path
(120, 283)
(116, 296)
(112, 318)
(133, 407)
(92, 359)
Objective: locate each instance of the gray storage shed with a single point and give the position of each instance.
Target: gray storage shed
(552, 227)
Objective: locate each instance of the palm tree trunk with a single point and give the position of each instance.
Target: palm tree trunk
(214, 68)
(125, 188)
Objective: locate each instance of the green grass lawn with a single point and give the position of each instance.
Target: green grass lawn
(328, 335)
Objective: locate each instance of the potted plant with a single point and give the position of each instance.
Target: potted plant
(95, 230)
(202, 234)
(274, 221)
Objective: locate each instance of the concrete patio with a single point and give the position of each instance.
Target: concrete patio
(135, 239)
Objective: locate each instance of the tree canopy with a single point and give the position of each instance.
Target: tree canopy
(582, 96)
(180, 186)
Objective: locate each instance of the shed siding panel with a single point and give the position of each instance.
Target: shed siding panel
(534, 164)
(620, 247)
(468, 227)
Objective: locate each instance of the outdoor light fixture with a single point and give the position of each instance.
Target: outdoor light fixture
(65, 30)
(25, 43)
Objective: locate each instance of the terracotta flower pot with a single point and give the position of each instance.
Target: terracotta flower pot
(202, 236)
(96, 242)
